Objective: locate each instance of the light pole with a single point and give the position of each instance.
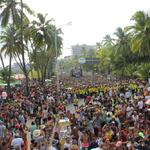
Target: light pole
(56, 50)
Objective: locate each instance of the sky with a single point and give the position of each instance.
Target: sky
(91, 19)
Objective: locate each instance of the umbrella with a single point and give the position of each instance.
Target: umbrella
(147, 102)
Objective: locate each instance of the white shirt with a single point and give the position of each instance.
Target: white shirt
(17, 142)
(129, 111)
(52, 148)
(135, 118)
(45, 113)
(148, 88)
(67, 145)
(147, 97)
(2, 131)
(128, 94)
(140, 104)
(50, 99)
(110, 92)
(121, 95)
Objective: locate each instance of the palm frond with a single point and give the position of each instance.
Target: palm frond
(4, 16)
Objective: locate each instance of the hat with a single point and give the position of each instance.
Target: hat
(109, 113)
(141, 134)
(42, 126)
(36, 133)
(119, 143)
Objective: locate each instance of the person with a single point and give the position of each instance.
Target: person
(67, 143)
(2, 130)
(88, 99)
(109, 122)
(53, 146)
(140, 105)
(32, 128)
(85, 140)
(21, 119)
(43, 146)
(17, 142)
(93, 144)
(76, 101)
(129, 110)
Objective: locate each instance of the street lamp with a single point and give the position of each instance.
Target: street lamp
(56, 50)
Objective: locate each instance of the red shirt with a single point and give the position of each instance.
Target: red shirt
(88, 99)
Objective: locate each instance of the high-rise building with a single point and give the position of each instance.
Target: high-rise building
(77, 49)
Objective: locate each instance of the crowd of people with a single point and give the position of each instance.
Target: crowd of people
(83, 115)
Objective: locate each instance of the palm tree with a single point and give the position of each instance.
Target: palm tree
(107, 40)
(10, 46)
(122, 45)
(44, 40)
(11, 12)
(122, 52)
(140, 32)
(22, 48)
(122, 41)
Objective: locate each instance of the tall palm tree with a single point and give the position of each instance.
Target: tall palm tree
(22, 48)
(44, 40)
(108, 41)
(122, 53)
(121, 41)
(10, 46)
(140, 32)
(11, 12)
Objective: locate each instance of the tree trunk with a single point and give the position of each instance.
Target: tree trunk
(23, 57)
(9, 75)
(38, 74)
(46, 68)
(2, 61)
(48, 71)
(32, 73)
(42, 75)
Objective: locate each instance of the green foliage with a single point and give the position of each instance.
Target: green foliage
(143, 70)
(128, 55)
(4, 73)
(11, 12)
(42, 36)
